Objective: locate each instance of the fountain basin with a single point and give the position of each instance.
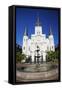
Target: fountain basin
(36, 67)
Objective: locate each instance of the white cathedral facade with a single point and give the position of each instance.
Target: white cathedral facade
(38, 45)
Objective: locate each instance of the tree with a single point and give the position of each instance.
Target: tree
(20, 57)
(52, 56)
(29, 60)
(18, 48)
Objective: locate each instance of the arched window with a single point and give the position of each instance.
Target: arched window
(29, 48)
(37, 32)
(52, 47)
(24, 39)
(24, 48)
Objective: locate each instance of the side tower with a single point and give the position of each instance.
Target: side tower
(51, 41)
(25, 43)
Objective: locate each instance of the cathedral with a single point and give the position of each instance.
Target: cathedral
(38, 45)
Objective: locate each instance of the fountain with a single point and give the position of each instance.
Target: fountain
(37, 66)
(37, 57)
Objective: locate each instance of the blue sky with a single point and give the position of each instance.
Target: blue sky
(26, 17)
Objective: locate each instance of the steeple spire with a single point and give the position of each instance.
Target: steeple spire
(50, 31)
(38, 22)
(25, 33)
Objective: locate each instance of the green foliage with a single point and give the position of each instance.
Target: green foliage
(57, 54)
(53, 56)
(49, 56)
(28, 60)
(18, 48)
(20, 57)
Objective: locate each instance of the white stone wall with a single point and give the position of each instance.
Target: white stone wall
(38, 30)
